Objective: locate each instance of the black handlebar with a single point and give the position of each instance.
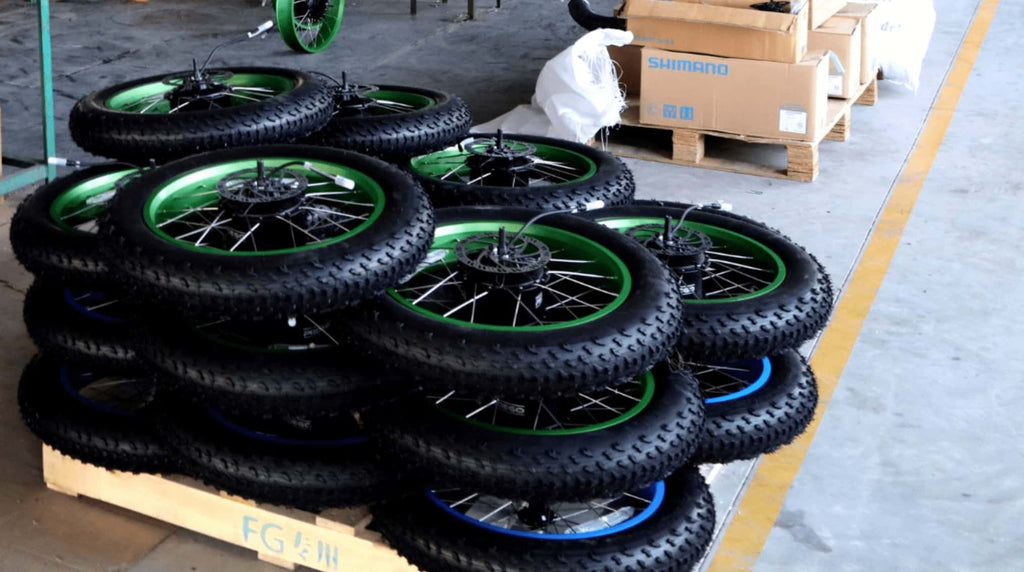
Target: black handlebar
(584, 16)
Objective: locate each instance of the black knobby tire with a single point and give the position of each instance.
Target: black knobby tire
(583, 15)
(766, 420)
(672, 539)
(615, 347)
(63, 329)
(783, 318)
(283, 285)
(124, 442)
(236, 379)
(447, 451)
(139, 137)
(45, 248)
(399, 136)
(308, 477)
(612, 183)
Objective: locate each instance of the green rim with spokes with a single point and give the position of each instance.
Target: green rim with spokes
(309, 25)
(739, 267)
(154, 98)
(584, 412)
(584, 281)
(188, 211)
(77, 208)
(551, 165)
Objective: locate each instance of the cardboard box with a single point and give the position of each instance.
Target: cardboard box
(747, 97)
(718, 30)
(627, 61)
(870, 25)
(842, 37)
(822, 10)
(794, 6)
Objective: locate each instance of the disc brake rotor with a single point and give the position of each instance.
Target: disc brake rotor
(495, 262)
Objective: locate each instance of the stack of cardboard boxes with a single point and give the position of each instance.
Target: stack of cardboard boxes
(725, 66)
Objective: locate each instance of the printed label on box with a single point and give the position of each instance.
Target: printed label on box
(835, 85)
(670, 111)
(793, 121)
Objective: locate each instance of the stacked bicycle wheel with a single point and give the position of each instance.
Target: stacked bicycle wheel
(511, 385)
(196, 330)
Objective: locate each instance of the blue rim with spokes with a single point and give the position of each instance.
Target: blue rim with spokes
(757, 376)
(655, 494)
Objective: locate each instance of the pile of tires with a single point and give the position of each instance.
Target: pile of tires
(524, 377)
(187, 316)
(171, 116)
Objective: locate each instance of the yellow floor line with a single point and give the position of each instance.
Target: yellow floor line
(746, 534)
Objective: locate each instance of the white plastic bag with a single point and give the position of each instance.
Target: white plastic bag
(577, 92)
(905, 31)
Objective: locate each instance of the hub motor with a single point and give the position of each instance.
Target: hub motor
(683, 249)
(351, 98)
(494, 261)
(501, 163)
(257, 193)
(197, 91)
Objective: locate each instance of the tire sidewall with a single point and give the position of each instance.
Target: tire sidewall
(33, 226)
(787, 373)
(129, 243)
(94, 103)
(468, 447)
(609, 174)
(802, 271)
(650, 281)
(464, 546)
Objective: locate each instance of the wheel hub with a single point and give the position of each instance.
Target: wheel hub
(315, 10)
(257, 193)
(679, 247)
(351, 98)
(684, 250)
(198, 88)
(536, 515)
(499, 161)
(516, 264)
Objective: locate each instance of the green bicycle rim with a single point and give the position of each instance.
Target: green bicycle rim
(645, 400)
(720, 238)
(565, 243)
(309, 37)
(191, 191)
(85, 201)
(450, 164)
(151, 98)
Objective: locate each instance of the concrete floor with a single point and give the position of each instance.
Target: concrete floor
(915, 465)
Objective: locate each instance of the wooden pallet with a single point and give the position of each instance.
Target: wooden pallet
(334, 540)
(689, 147)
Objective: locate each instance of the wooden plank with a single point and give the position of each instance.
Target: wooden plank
(680, 146)
(869, 93)
(281, 535)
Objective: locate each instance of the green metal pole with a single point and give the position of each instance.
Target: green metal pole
(46, 84)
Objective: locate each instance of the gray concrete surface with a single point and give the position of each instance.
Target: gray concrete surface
(909, 426)
(917, 462)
